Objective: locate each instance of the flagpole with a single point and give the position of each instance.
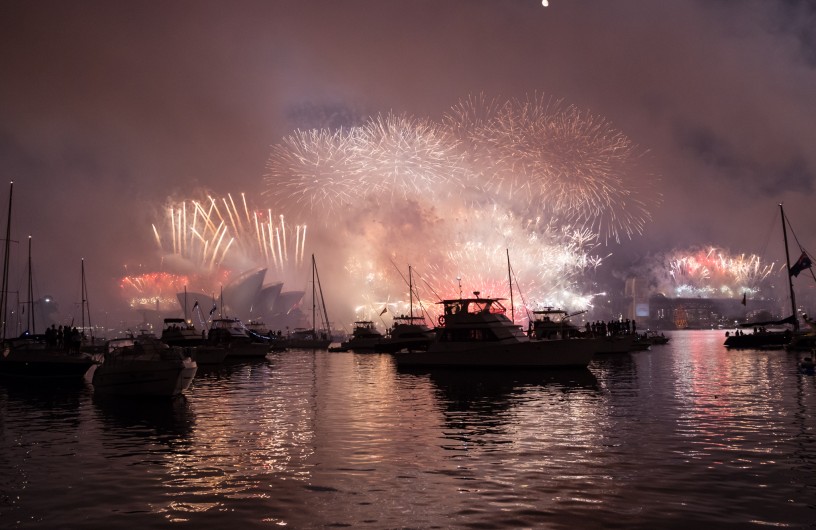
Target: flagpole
(788, 270)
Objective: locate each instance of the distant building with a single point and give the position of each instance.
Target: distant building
(656, 310)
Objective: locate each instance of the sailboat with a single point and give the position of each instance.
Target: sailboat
(408, 331)
(313, 338)
(775, 337)
(88, 344)
(34, 357)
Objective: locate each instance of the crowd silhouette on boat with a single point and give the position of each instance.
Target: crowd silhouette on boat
(67, 338)
(601, 328)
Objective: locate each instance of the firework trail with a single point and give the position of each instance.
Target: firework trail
(215, 234)
(206, 243)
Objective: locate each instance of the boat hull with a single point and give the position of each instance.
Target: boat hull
(617, 344)
(209, 354)
(44, 365)
(308, 344)
(395, 345)
(248, 350)
(759, 340)
(360, 345)
(144, 378)
(563, 353)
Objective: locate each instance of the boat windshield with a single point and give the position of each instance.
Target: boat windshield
(474, 306)
(120, 343)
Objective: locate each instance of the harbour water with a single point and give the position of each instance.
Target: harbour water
(684, 435)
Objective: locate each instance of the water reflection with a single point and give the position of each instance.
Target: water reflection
(482, 407)
(618, 371)
(686, 434)
(40, 427)
(57, 402)
(491, 391)
(168, 422)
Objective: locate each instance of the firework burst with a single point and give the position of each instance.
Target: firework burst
(546, 158)
(153, 290)
(389, 158)
(402, 158)
(709, 272)
(547, 181)
(315, 170)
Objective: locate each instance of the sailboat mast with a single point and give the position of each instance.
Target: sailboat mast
(86, 306)
(30, 320)
(411, 294)
(314, 298)
(4, 291)
(82, 293)
(790, 276)
(510, 278)
(322, 301)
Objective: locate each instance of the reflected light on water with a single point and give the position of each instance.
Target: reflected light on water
(685, 432)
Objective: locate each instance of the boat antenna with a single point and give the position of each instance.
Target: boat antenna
(790, 276)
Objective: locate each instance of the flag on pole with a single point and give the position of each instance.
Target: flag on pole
(743, 299)
(384, 310)
(213, 309)
(195, 304)
(801, 264)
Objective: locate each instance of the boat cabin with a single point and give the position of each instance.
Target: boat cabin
(476, 320)
(223, 330)
(365, 328)
(551, 323)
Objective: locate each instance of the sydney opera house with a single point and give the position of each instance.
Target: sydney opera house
(247, 297)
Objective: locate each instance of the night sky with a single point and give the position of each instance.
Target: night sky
(109, 108)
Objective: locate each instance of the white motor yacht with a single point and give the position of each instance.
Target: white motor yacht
(475, 332)
(143, 366)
